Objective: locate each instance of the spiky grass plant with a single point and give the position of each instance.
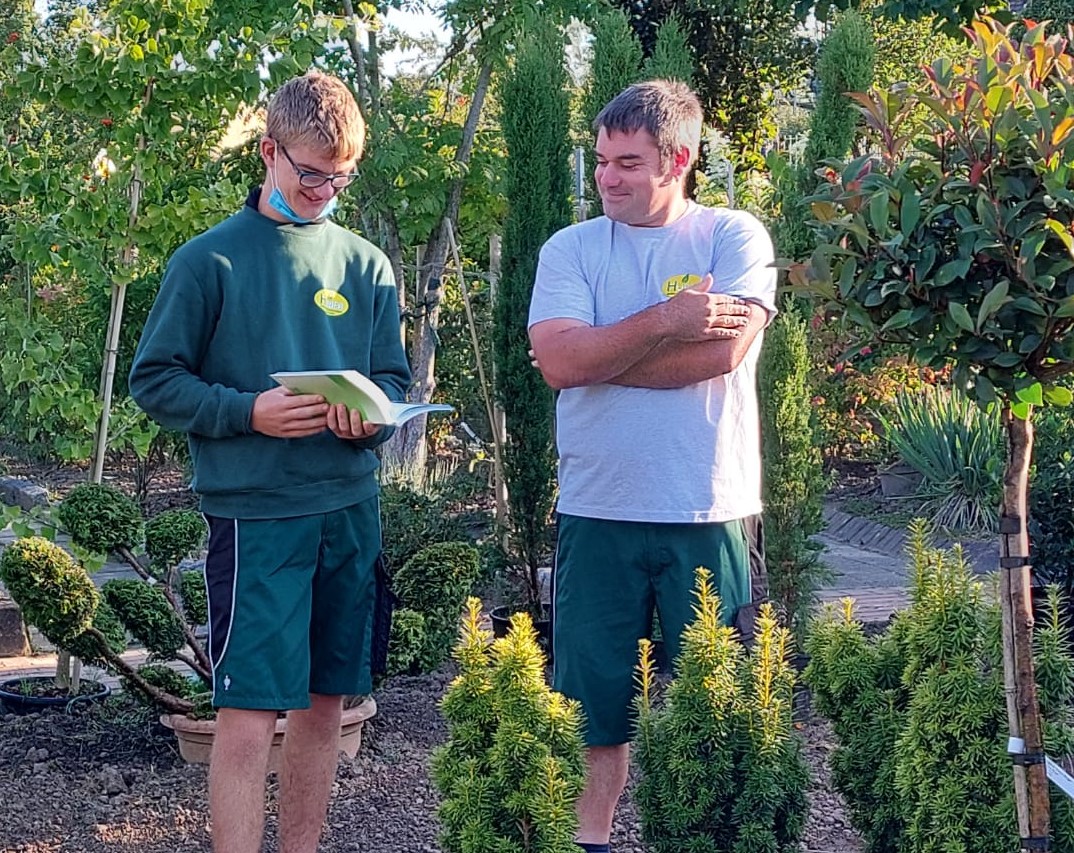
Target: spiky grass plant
(721, 766)
(513, 767)
(957, 447)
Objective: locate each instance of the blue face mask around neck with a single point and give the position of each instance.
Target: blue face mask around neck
(278, 203)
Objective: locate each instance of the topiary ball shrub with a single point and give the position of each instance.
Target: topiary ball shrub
(172, 536)
(195, 598)
(147, 614)
(101, 518)
(54, 593)
(87, 646)
(166, 678)
(435, 583)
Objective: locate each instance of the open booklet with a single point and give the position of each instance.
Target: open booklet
(356, 391)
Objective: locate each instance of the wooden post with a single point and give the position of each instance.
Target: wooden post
(1023, 709)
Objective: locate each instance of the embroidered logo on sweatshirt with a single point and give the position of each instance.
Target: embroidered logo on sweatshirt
(332, 303)
(679, 282)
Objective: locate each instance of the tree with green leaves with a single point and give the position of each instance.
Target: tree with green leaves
(948, 15)
(535, 121)
(742, 53)
(955, 241)
(1059, 12)
(147, 178)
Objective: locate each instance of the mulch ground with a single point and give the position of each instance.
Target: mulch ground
(110, 779)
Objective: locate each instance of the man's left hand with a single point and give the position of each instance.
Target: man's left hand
(348, 423)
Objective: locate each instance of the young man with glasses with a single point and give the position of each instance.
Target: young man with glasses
(286, 482)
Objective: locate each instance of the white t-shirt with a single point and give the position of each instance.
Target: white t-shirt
(668, 455)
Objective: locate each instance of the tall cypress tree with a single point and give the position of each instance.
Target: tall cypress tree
(672, 58)
(535, 117)
(846, 63)
(794, 481)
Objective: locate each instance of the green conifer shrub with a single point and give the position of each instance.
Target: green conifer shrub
(434, 584)
(721, 766)
(672, 58)
(513, 767)
(538, 181)
(1060, 12)
(919, 714)
(794, 480)
(617, 61)
(845, 65)
(54, 593)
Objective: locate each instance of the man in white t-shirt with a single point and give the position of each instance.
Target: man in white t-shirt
(648, 321)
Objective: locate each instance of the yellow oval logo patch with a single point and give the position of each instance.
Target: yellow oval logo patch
(332, 303)
(679, 282)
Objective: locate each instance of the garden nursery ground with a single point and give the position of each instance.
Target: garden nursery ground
(111, 780)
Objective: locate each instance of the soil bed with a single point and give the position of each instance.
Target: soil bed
(111, 779)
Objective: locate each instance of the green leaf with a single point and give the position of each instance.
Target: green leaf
(878, 213)
(1007, 359)
(1032, 394)
(985, 390)
(1057, 395)
(960, 315)
(909, 212)
(898, 320)
(991, 303)
(1020, 410)
(1066, 308)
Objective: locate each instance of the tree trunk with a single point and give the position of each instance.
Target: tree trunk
(1023, 710)
(407, 448)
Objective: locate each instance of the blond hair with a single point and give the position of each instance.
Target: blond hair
(317, 110)
(668, 109)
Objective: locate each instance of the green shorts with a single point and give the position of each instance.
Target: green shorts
(291, 606)
(610, 577)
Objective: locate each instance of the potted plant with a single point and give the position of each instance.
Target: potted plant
(58, 597)
(161, 607)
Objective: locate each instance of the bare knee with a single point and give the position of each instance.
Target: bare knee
(323, 714)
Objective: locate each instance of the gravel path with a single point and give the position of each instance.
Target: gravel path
(93, 782)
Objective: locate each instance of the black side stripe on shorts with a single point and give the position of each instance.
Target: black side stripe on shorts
(221, 571)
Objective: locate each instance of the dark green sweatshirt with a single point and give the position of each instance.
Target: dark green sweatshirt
(248, 298)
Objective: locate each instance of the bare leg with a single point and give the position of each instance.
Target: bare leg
(605, 781)
(237, 778)
(310, 756)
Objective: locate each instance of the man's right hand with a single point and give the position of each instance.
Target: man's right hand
(281, 414)
(694, 314)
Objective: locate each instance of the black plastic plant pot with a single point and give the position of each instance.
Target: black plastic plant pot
(501, 623)
(17, 697)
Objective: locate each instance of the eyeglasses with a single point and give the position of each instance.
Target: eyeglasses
(312, 180)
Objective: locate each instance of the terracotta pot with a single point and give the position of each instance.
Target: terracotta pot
(196, 736)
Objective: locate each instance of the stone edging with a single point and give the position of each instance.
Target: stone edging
(874, 536)
(22, 493)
